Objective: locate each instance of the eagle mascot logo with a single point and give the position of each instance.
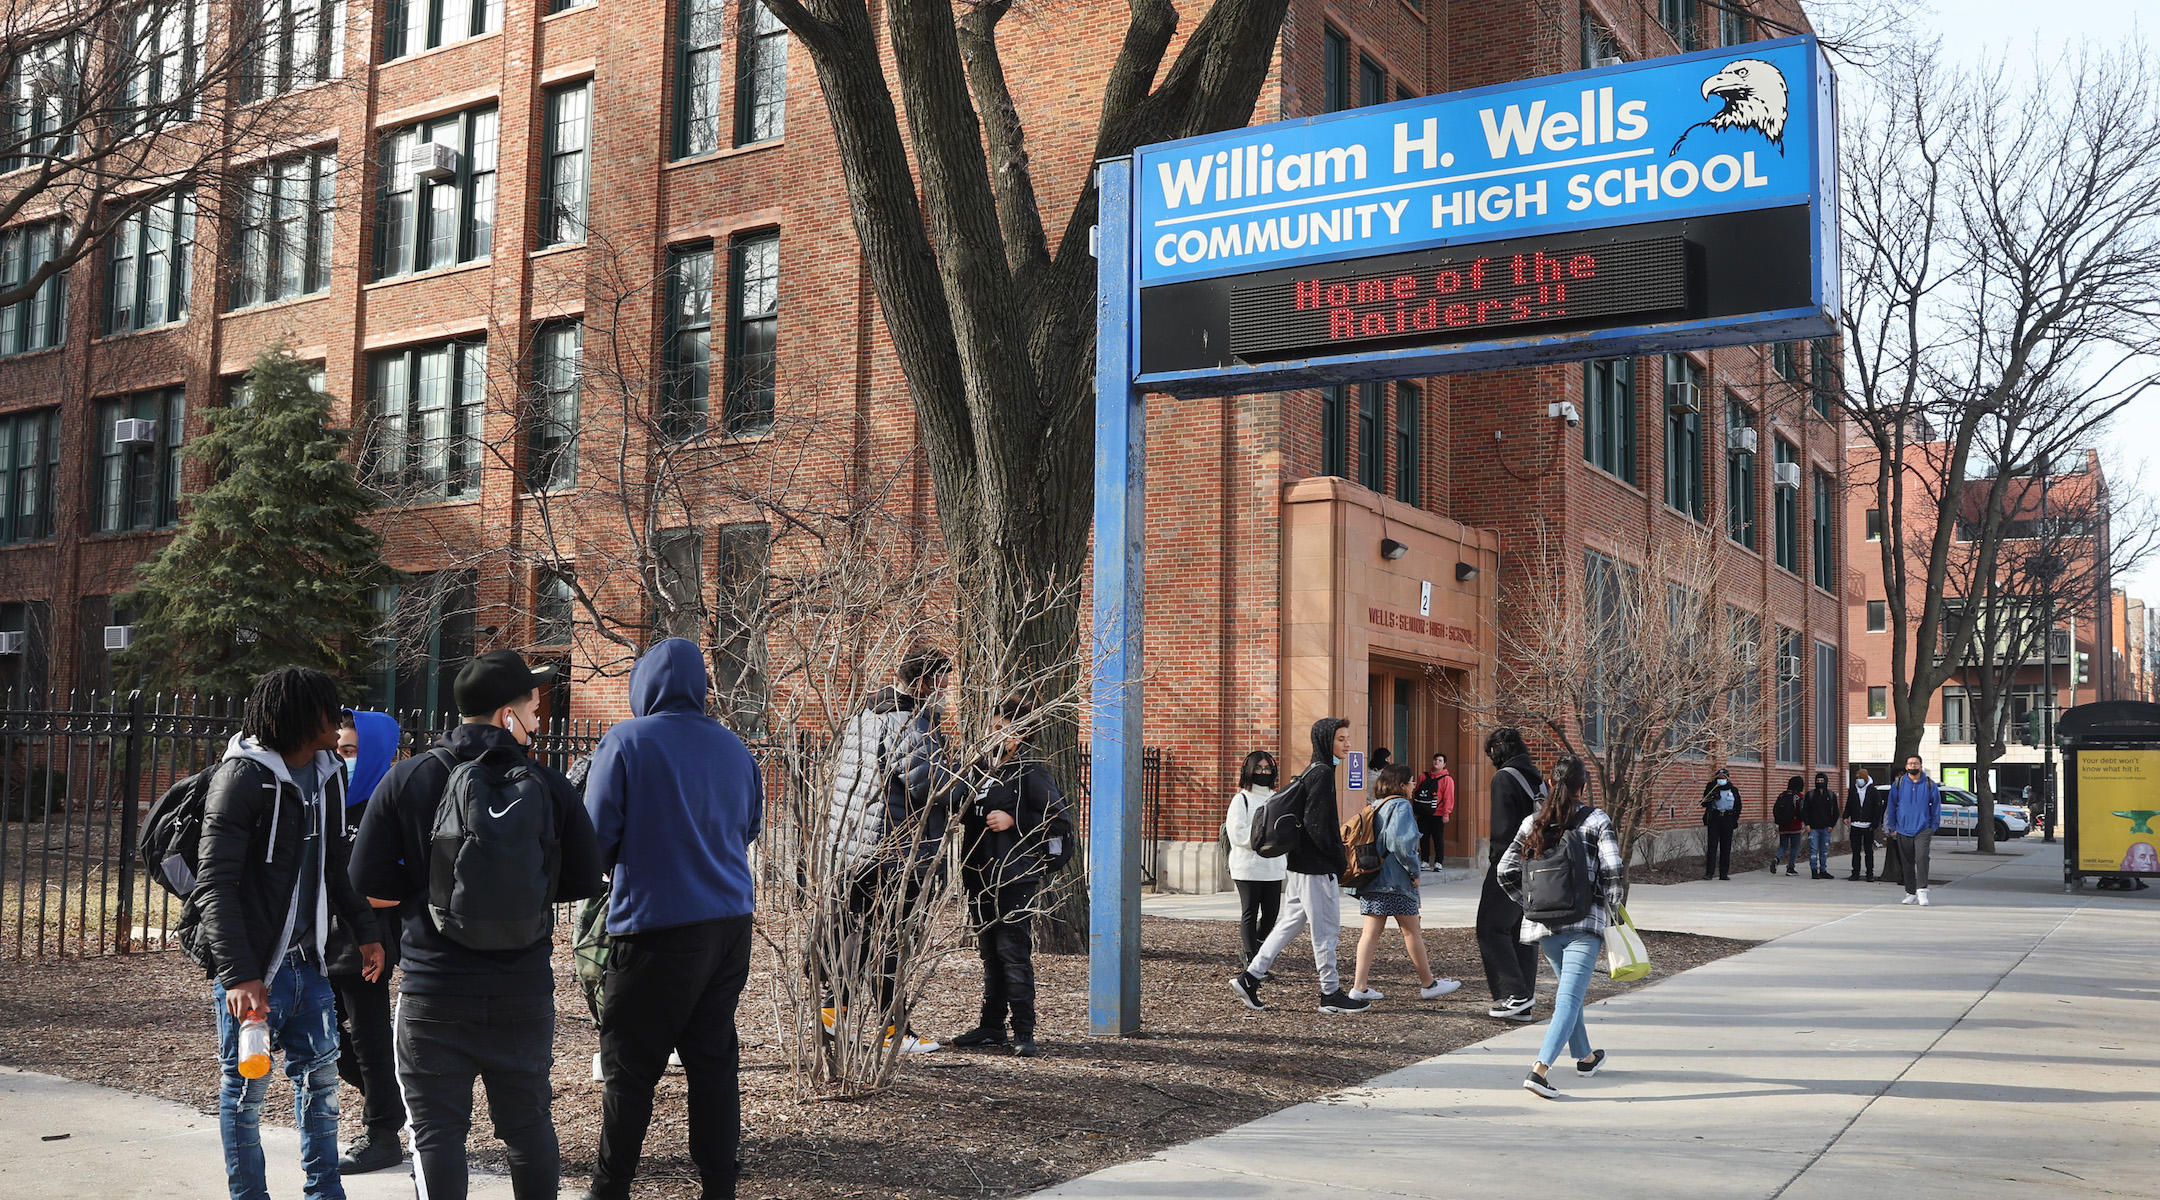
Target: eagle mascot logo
(1754, 96)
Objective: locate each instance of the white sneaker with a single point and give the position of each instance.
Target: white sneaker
(1439, 988)
(1366, 994)
(1910, 899)
(910, 1044)
(1923, 897)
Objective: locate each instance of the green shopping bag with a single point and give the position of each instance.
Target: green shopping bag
(1625, 957)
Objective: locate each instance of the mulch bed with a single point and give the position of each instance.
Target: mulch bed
(954, 1123)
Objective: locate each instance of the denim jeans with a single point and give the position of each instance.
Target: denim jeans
(1818, 849)
(1788, 850)
(1573, 957)
(303, 1024)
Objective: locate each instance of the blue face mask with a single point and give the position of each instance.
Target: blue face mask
(1338, 761)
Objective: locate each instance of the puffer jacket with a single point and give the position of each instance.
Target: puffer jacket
(245, 904)
(892, 786)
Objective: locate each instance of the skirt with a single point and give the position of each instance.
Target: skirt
(1388, 904)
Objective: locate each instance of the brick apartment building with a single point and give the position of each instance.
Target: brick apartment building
(665, 170)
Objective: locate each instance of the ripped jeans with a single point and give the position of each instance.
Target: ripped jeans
(303, 1024)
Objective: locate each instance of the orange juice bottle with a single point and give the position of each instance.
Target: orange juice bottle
(254, 1045)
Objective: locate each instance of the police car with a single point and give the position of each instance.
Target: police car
(1961, 816)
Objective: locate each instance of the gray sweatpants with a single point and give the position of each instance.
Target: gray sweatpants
(1313, 900)
(1913, 849)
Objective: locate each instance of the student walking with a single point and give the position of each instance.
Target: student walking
(1571, 932)
(1259, 879)
(1720, 817)
(1393, 893)
(1433, 800)
(675, 801)
(270, 872)
(367, 744)
(1014, 833)
(1791, 829)
(1510, 965)
(1863, 815)
(1912, 817)
(477, 999)
(1313, 897)
(1819, 811)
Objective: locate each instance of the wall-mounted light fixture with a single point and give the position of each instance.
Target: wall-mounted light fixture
(1464, 572)
(1390, 549)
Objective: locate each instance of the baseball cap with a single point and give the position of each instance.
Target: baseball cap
(494, 679)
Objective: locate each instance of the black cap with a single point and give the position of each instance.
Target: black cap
(494, 679)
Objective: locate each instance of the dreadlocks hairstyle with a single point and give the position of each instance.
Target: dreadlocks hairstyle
(289, 707)
(1249, 774)
(1568, 781)
(1393, 780)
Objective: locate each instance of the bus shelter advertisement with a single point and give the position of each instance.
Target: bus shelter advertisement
(2118, 805)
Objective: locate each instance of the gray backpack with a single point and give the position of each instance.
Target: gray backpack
(494, 858)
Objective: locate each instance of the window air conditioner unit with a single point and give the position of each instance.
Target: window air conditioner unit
(1683, 397)
(134, 431)
(119, 637)
(1787, 475)
(1744, 440)
(1610, 60)
(1788, 666)
(11, 642)
(435, 162)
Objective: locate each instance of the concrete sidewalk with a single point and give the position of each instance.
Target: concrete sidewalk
(2001, 1041)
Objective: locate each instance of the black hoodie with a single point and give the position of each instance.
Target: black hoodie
(1320, 851)
(1511, 804)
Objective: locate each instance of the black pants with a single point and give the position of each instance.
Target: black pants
(1717, 850)
(673, 989)
(1259, 903)
(1863, 843)
(1004, 920)
(1510, 966)
(367, 1057)
(1431, 848)
(879, 908)
(508, 1044)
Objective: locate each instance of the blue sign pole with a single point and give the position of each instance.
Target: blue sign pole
(1114, 744)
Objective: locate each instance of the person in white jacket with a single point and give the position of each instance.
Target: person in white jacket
(1259, 880)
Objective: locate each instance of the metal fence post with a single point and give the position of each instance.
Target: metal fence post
(130, 817)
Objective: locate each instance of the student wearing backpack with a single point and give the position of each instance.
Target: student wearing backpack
(1863, 815)
(1433, 798)
(1393, 890)
(1912, 816)
(675, 800)
(1791, 829)
(477, 998)
(1315, 861)
(1564, 868)
(1259, 879)
(1510, 966)
(367, 745)
(270, 871)
(1015, 831)
(1819, 812)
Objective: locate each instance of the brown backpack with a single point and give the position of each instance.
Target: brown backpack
(1362, 855)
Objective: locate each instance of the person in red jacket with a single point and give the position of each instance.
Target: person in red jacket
(1432, 800)
(1791, 829)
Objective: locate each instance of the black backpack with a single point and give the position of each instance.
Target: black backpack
(1059, 844)
(1786, 811)
(1280, 822)
(494, 858)
(1557, 885)
(172, 834)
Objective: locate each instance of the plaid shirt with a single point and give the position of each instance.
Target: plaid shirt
(1611, 877)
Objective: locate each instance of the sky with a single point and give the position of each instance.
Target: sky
(1970, 29)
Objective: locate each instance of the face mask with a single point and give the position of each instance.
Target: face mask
(345, 764)
(1264, 778)
(1338, 760)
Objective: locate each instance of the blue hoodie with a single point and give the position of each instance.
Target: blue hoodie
(378, 735)
(1915, 805)
(676, 800)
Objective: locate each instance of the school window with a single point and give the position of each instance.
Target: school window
(1744, 630)
(163, 48)
(551, 460)
(37, 103)
(1740, 517)
(1683, 435)
(1370, 465)
(1609, 416)
(1598, 43)
(239, 395)
(1402, 90)
(1372, 82)
(554, 606)
(1734, 27)
(1408, 399)
(1878, 616)
(740, 610)
(25, 656)
(297, 43)
(1784, 361)
(1788, 509)
(147, 273)
(1825, 532)
(29, 465)
(556, 6)
(753, 336)
(1878, 701)
(94, 669)
(1874, 524)
(1601, 595)
(1822, 378)
(761, 77)
(1335, 50)
(37, 321)
(426, 638)
(438, 194)
(1957, 716)
(282, 237)
(424, 411)
(1680, 19)
(1335, 430)
(562, 188)
(1826, 705)
(138, 466)
(687, 387)
(1790, 696)
(410, 26)
(679, 557)
(698, 28)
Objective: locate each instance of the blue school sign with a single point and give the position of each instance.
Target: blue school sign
(1674, 204)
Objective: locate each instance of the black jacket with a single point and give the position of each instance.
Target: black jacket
(992, 858)
(390, 862)
(1819, 808)
(1511, 804)
(1320, 850)
(341, 955)
(236, 923)
(1864, 804)
(922, 793)
(1711, 816)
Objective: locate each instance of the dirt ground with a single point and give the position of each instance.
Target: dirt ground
(954, 1124)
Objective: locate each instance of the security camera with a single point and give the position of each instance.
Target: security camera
(1566, 411)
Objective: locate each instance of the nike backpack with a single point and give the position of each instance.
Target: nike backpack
(494, 857)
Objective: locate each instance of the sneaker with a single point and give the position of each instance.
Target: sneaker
(1586, 1067)
(1514, 1008)
(910, 1044)
(375, 1152)
(828, 1017)
(1339, 1001)
(1853, 878)
(1792, 870)
(1025, 1048)
(1910, 899)
(1534, 1082)
(1438, 988)
(1266, 976)
(1366, 994)
(1248, 990)
(981, 1035)
(1923, 897)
